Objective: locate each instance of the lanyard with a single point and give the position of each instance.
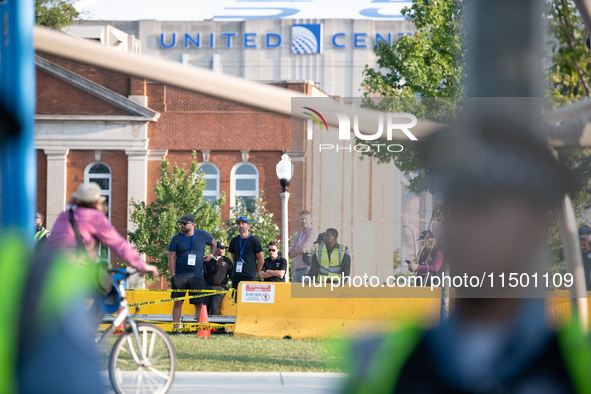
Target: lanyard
(192, 241)
(240, 243)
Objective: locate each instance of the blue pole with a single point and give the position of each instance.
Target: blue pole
(18, 162)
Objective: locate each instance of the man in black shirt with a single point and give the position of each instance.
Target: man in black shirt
(247, 254)
(219, 269)
(275, 266)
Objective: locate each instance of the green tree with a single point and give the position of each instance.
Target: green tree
(262, 224)
(178, 192)
(54, 14)
(567, 81)
(430, 63)
(568, 76)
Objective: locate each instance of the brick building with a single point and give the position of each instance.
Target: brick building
(94, 124)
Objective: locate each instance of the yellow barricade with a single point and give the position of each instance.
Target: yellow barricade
(325, 318)
(330, 316)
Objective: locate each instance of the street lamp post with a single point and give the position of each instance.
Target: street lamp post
(284, 173)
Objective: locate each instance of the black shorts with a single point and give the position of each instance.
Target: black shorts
(237, 279)
(196, 283)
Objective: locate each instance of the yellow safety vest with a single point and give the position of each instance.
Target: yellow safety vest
(328, 268)
(387, 363)
(40, 234)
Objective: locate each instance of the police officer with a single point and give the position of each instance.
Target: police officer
(41, 233)
(330, 260)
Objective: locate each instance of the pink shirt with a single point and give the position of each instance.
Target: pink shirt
(305, 240)
(434, 268)
(94, 227)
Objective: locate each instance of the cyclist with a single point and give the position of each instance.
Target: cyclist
(93, 227)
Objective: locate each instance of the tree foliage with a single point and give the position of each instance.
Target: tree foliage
(567, 81)
(569, 73)
(178, 192)
(262, 224)
(54, 14)
(430, 63)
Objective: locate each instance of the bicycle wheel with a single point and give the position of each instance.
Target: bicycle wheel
(127, 371)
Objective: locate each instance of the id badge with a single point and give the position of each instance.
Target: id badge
(192, 259)
(239, 265)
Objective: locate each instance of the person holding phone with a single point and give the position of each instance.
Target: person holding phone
(247, 254)
(430, 259)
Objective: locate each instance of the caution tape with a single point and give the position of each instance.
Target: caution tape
(197, 326)
(175, 290)
(153, 302)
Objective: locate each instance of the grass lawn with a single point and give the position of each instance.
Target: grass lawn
(225, 353)
(229, 354)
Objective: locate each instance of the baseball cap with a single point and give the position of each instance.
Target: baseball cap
(221, 246)
(187, 218)
(425, 235)
(243, 219)
(584, 230)
(320, 238)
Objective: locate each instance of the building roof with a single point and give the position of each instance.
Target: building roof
(223, 10)
(137, 112)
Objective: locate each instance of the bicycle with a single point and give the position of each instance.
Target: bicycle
(143, 359)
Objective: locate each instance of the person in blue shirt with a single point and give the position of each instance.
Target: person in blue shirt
(185, 261)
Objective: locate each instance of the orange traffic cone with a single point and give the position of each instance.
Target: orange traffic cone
(204, 319)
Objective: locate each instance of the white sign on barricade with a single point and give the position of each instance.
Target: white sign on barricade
(261, 293)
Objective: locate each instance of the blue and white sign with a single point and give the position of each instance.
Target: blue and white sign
(306, 39)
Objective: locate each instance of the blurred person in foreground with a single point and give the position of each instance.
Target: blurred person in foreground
(497, 189)
(430, 259)
(55, 348)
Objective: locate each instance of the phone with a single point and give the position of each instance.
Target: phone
(407, 262)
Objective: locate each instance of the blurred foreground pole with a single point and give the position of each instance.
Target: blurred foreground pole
(572, 254)
(505, 61)
(17, 96)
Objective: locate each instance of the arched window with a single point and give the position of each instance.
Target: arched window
(100, 173)
(212, 178)
(245, 185)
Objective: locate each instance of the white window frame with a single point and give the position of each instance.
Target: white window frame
(210, 193)
(105, 193)
(234, 177)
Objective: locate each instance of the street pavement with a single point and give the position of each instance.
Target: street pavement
(255, 382)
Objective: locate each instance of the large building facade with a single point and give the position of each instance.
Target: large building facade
(331, 52)
(96, 125)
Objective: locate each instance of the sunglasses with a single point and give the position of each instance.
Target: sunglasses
(272, 250)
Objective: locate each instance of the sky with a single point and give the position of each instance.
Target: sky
(198, 10)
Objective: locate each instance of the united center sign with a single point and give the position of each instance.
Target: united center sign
(305, 39)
